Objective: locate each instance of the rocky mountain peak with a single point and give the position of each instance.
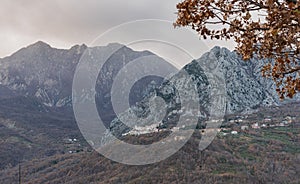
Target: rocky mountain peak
(79, 48)
(47, 73)
(39, 44)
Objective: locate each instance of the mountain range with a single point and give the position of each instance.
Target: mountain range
(40, 77)
(45, 74)
(37, 120)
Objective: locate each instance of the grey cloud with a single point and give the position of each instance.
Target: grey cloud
(63, 23)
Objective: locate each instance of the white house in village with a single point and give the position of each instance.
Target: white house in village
(285, 122)
(175, 129)
(267, 120)
(255, 126)
(179, 138)
(289, 119)
(244, 127)
(140, 130)
(232, 121)
(234, 132)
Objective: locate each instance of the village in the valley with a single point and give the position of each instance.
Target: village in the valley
(232, 125)
(243, 124)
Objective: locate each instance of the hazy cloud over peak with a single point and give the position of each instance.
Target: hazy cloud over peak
(69, 22)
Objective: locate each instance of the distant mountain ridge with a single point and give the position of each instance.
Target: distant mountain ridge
(46, 74)
(246, 88)
(42, 72)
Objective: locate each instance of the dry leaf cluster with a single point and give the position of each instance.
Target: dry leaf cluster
(268, 29)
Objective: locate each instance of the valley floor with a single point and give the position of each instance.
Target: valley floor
(254, 155)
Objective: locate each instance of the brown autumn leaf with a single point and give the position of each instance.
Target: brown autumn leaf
(274, 33)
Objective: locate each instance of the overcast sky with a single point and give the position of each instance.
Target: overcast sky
(63, 23)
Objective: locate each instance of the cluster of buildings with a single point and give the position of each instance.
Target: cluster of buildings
(265, 123)
(140, 130)
(72, 145)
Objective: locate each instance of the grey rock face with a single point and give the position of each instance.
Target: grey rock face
(46, 74)
(42, 72)
(245, 86)
(245, 89)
